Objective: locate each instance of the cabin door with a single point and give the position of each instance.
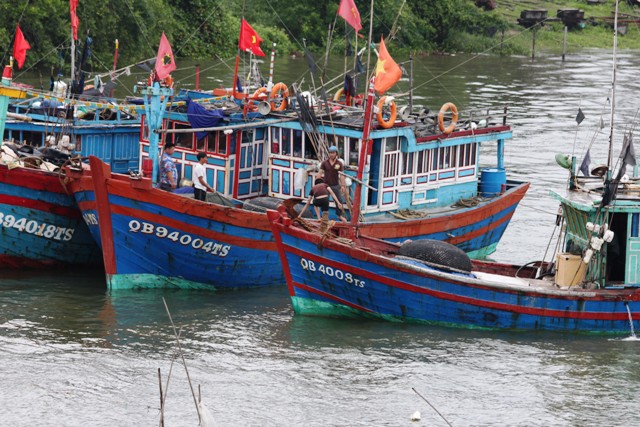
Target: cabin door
(250, 164)
(632, 270)
(386, 178)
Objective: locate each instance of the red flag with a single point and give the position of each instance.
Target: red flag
(387, 71)
(165, 62)
(20, 47)
(75, 22)
(249, 39)
(350, 14)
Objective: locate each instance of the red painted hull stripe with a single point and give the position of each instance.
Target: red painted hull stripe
(473, 301)
(71, 212)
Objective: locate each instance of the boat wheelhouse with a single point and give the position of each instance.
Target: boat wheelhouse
(415, 175)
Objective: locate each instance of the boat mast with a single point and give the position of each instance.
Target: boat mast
(365, 153)
(73, 58)
(155, 103)
(613, 87)
(370, 38)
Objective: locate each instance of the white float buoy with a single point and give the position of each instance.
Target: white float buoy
(415, 416)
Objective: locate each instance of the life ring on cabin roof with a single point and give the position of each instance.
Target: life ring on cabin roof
(392, 113)
(260, 93)
(275, 93)
(454, 118)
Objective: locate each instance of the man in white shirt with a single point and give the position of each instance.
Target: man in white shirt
(200, 178)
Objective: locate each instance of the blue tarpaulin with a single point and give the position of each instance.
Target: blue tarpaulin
(200, 117)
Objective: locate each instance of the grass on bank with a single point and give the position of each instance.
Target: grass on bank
(597, 33)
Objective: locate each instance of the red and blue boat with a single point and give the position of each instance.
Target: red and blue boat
(590, 285)
(418, 182)
(41, 224)
(433, 282)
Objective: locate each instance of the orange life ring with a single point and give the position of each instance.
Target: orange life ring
(454, 118)
(220, 91)
(275, 93)
(392, 116)
(168, 81)
(260, 93)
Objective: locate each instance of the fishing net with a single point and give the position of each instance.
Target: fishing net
(436, 252)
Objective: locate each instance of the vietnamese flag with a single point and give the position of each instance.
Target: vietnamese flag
(75, 22)
(350, 14)
(249, 39)
(20, 47)
(165, 62)
(387, 71)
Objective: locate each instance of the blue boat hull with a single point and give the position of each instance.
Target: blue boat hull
(338, 280)
(39, 222)
(155, 239)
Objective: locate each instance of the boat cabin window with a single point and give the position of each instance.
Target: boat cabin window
(223, 142)
(391, 157)
(281, 141)
(32, 138)
(467, 154)
(351, 155)
(298, 143)
(286, 142)
(446, 157)
(309, 150)
(407, 169)
(634, 225)
(247, 137)
(424, 161)
(202, 144)
(392, 144)
(144, 130)
(183, 140)
(354, 150)
(228, 145)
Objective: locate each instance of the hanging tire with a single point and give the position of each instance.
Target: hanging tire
(436, 252)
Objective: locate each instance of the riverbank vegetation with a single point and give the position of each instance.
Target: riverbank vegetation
(210, 28)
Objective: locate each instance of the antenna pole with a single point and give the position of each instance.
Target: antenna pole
(613, 86)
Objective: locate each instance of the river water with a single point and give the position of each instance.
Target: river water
(74, 354)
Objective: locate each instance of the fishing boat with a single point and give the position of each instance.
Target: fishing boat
(591, 285)
(433, 282)
(40, 131)
(41, 223)
(154, 238)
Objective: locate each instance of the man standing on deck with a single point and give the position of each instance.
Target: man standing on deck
(200, 178)
(331, 170)
(168, 170)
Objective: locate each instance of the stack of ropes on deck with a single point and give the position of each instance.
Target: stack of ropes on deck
(408, 214)
(467, 203)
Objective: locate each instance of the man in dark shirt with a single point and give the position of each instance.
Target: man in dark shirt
(319, 196)
(331, 170)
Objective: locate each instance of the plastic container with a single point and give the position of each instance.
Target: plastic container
(492, 182)
(569, 269)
